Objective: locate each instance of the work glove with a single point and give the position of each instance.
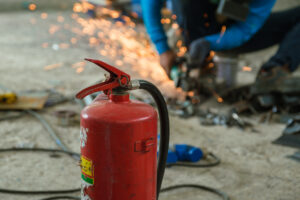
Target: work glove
(198, 51)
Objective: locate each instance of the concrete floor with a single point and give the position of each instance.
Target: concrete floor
(252, 167)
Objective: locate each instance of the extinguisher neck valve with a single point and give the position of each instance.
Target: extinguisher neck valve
(134, 84)
(119, 91)
(119, 97)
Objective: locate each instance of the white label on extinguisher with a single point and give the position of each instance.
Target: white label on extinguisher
(84, 186)
(83, 136)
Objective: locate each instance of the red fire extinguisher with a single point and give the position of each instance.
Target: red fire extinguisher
(119, 140)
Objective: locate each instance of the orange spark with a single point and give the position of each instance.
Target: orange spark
(223, 30)
(53, 29)
(32, 6)
(179, 43)
(115, 14)
(119, 62)
(79, 70)
(174, 17)
(53, 66)
(77, 7)
(44, 15)
(247, 69)
(73, 40)
(45, 45)
(100, 34)
(87, 6)
(179, 89)
(134, 14)
(126, 19)
(64, 45)
(175, 26)
(93, 40)
(103, 52)
(190, 93)
(79, 64)
(167, 21)
(74, 16)
(182, 51)
(60, 19)
(132, 24)
(211, 65)
(220, 100)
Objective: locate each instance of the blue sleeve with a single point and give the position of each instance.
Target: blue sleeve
(240, 32)
(152, 17)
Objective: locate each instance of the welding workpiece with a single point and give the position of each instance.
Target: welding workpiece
(119, 139)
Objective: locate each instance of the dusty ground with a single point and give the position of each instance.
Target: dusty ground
(252, 167)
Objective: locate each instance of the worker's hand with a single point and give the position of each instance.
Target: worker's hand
(198, 50)
(167, 59)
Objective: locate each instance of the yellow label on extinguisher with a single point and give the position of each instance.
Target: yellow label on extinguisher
(87, 170)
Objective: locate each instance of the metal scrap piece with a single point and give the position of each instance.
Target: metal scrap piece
(295, 156)
(293, 126)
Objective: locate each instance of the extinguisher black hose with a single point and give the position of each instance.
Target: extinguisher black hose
(164, 129)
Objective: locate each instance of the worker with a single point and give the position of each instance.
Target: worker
(204, 31)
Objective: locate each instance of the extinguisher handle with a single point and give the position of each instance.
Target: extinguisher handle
(117, 78)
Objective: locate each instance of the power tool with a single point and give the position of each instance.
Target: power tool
(199, 78)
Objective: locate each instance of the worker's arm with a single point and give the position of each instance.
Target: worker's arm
(152, 17)
(240, 32)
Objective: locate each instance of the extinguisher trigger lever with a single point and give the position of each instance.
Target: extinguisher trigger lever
(117, 78)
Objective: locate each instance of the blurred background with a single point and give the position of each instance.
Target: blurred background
(42, 49)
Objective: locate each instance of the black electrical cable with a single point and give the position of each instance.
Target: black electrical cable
(26, 192)
(216, 162)
(164, 129)
(221, 194)
(61, 197)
